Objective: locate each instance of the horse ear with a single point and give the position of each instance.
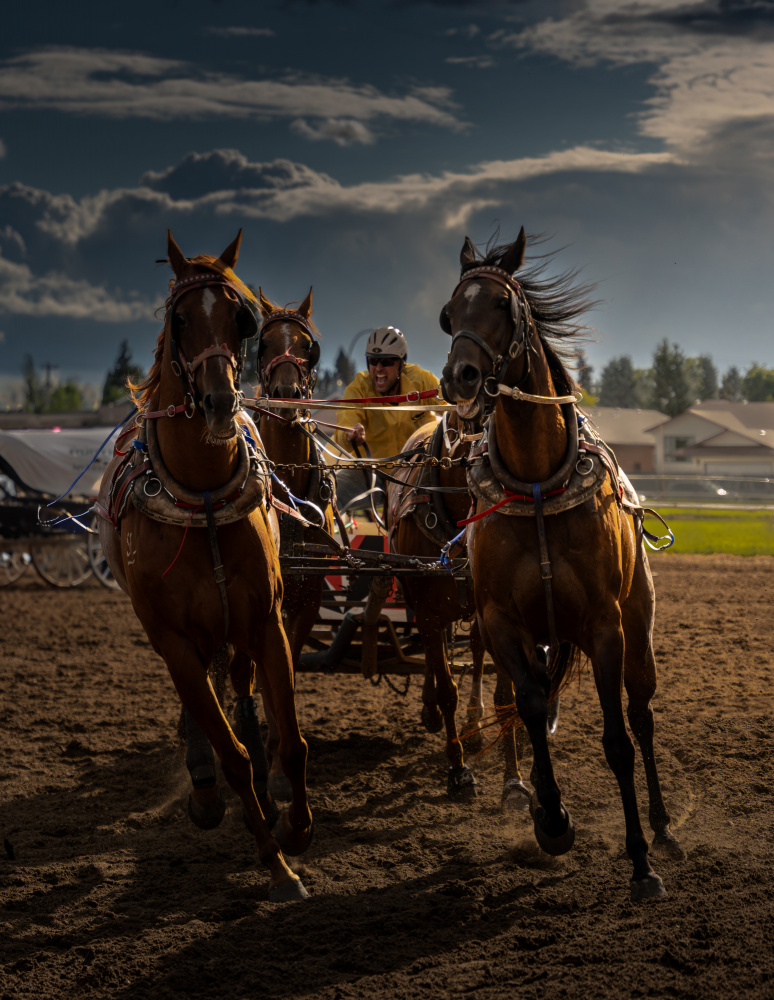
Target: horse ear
(468, 252)
(230, 255)
(306, 306)
(266, 306)
(175, 254)
(514, 255)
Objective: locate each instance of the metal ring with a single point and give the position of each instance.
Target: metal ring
(578, 466)
(487, 380)
(151, 492)
(175, 367)
(431, 520)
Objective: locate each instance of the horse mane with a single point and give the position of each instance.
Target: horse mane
(142, 391)
(555, 303)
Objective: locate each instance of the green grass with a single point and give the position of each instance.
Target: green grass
(736, 532)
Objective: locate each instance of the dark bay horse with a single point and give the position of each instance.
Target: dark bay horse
(420, 521)
(210, 576)
(559, 566)
(288, 352)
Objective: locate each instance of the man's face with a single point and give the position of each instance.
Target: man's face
(385, 373)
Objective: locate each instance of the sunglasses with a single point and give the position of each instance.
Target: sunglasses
(375, 361)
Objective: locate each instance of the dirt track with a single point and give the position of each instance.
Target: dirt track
(113, 893)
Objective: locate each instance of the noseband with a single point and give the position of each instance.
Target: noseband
(522, 325)
(305, 366)
(184, 369)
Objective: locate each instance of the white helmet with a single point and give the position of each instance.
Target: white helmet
(387, 341)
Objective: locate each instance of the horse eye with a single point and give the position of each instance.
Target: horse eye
(180, 319)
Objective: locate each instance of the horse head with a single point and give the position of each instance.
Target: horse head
(288, 351)
(208, 318)
(489, 322)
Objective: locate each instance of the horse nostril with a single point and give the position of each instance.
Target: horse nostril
(207, 403)
(469, 375)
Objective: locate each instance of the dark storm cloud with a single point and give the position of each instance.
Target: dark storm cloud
(754, 18)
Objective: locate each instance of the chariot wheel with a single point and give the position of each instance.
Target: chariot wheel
(13, 564)
(97, 560)
(62, 563)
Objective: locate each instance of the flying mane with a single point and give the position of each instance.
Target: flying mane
(555, 304)
(142, 392)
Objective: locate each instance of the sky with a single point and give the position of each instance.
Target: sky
(358, 143)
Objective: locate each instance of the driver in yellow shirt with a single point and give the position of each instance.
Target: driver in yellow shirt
(384, 431)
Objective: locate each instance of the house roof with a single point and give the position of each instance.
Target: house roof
(618, 426)
(753, 421)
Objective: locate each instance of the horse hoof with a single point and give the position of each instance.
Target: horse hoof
(279, 787)
(208, 816)
(291, 843)
(650, 887)
(461, 784)
(432, 719)
(292, 891)
(552, 843)
(515, 795)
(669, 844)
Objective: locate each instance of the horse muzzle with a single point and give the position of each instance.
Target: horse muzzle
(462, 384)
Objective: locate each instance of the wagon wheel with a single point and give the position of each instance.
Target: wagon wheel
(97, 560)
(12, 565)
(62, 564)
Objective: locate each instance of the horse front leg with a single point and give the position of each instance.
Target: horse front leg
(554, 829)
(475, 710)
(515, 794)
(193, 686)
(248, 731)
(640, 684)
(461, 783)
(608, 662)
(294, 828)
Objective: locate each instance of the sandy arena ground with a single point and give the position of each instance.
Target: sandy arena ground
(107, 890)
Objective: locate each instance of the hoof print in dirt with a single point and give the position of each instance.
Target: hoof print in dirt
(650, 887)
(207, 817)
(288, 892)
(461, 784)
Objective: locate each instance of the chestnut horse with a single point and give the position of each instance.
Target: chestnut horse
(422, 516)
(288, 352)
(568, 573)
(219, 582)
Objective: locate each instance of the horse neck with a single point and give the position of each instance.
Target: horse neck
(189, 457)
(287, 445)
(532, 437)
(456, 476)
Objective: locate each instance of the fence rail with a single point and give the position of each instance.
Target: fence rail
(705, 491)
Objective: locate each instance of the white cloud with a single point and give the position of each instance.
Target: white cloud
(24, 294)
(707, 78)
(344, 132)
(131, 85)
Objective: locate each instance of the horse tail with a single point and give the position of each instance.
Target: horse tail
(563, 667)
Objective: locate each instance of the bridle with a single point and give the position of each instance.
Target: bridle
(184, 369)
(306, 366)
(523, 326)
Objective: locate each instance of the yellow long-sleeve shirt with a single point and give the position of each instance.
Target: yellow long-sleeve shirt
(387, 430)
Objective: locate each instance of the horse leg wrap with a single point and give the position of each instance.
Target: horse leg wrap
(199, 758)
(249, 733)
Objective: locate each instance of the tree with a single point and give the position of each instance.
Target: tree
(585, 377)
(702, 377)
(671, 388)
(34, 394)
(114, 390)
(731, 386)
(758, 384)
(66, 398)
(618, 384)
